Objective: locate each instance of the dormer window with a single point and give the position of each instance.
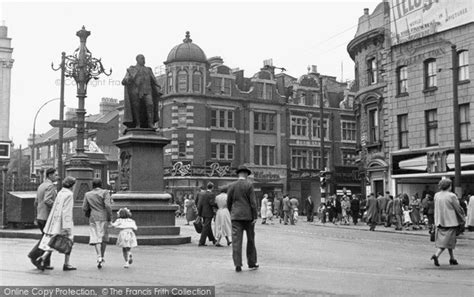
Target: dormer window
(182, 81)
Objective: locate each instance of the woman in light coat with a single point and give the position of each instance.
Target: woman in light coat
(470, 214)
(448, 216)
(223, 221)
(263, 208)
(60, 221)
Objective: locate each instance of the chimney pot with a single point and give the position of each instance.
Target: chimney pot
(366, 11)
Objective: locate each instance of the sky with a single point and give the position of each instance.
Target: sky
(293, 34)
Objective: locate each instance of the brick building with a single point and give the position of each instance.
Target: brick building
(218, 119)
(404, 84)
(98, 143)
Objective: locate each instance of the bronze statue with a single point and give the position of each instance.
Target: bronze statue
(142, 93)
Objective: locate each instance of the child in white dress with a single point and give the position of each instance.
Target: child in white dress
(126, 238)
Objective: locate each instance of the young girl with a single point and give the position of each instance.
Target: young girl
(126, 238)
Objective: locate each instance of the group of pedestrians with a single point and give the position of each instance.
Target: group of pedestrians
(234, 212)
(54, 217)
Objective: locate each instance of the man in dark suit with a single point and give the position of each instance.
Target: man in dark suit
(242, 205)
(372, 212)
(205, 211)
(309, 209)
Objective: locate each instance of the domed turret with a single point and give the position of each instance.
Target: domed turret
(186, 52)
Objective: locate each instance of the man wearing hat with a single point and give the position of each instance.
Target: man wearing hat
(242, 205)
(205, 205)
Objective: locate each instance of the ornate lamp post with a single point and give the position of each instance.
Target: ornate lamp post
(82, 67)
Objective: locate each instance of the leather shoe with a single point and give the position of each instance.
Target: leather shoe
(68, 268)
(435, 260)
(203, 244)
(453, 262)
(238, 268)
(254, 266)
(49, 267)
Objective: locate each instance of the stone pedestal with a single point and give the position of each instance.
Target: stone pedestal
(141, 187)
(79, 167)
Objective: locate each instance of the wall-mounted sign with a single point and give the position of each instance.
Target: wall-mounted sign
(181, 168)
(263, 176)
(414, 19)
(218, 168)
(5, 150)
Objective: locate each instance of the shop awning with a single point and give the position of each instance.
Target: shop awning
(466, 160)
(418, 163)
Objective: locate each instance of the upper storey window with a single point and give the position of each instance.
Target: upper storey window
(430, 73)
(463, 64)
(182, 81)
(170, 82)
(197, 81)
(372, 71)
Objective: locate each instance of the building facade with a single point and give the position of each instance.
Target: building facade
(404, 66)
(6, 64)
(218, 119)
(102, 152)
(369, 49)
(420, 88)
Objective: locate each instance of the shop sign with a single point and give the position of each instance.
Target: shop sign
(181, 168)
(262, 176)
(304, 174)
(414, 19)
(344, 174)
(218, 168)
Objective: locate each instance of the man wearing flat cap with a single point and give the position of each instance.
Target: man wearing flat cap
(242, 205)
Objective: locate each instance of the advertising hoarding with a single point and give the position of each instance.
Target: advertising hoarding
(414, 19)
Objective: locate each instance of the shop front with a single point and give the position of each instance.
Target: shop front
(304, 183)
(269, 180)
(347, 180)
(415, 172)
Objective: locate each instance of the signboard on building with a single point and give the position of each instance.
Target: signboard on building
(4, 150)
(218, 168)
(413, 19)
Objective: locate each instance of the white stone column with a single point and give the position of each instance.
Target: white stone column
(6, 64)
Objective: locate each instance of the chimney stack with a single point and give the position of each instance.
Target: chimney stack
(366, 11)
(108, 104)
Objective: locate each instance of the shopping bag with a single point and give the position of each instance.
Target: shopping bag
(198, 225)
(61, 243)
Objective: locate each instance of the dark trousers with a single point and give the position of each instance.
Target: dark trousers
(398, 221)
(389, 220)
(310, 216)
(372, 224)
(355, 216)
(41, 224)
(288, 214)
(238, 228)
(206, 231)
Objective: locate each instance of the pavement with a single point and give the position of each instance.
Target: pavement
(81, 232)
(307, 259)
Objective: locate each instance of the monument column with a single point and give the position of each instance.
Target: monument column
(6, 64)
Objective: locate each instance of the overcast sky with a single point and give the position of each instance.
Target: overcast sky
(293, 34)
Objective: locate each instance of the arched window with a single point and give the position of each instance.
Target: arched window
(170, 82)
(197, 81)
(182, 81)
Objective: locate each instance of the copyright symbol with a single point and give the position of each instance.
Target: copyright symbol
(105, 291)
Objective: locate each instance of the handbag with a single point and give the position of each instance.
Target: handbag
(61, 243)
(198, 225)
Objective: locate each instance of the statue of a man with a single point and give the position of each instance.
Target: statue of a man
(142, 93)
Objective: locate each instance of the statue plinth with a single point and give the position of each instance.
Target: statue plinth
(141, 186)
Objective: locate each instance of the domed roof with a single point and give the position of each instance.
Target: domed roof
(186, 51)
